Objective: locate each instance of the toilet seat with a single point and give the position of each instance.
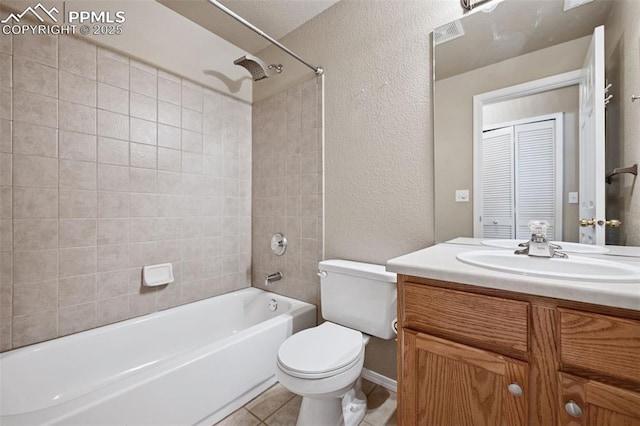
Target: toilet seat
(323, 351)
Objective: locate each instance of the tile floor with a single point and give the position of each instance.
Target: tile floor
(278, 407)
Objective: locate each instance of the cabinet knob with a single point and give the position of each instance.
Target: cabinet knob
(515, 389)
(573, 409)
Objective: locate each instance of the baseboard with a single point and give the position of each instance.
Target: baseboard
(379, 379)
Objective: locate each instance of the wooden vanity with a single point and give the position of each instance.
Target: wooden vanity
(475, 355)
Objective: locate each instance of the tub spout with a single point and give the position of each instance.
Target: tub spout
(276, 276)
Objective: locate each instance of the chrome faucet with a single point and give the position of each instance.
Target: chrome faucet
(276, 276)
(538, 245)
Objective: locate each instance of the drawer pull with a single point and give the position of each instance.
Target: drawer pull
(573, 409)
(515, 389)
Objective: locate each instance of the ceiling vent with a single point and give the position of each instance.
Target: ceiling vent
(447, 32)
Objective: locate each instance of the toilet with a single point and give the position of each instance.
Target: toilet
(323, 364)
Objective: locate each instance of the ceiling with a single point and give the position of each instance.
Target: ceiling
(276, 18)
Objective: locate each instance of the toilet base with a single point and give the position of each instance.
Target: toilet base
(348, 410)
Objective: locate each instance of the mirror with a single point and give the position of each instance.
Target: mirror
(512, 43)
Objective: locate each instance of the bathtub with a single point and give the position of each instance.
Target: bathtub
(189, 365)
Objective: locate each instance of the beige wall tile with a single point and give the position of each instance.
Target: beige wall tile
(77, 174)
(34, 266)
(35, 203)
(169, 159)
(113, 151)
(35, 234)
(169, 114)
(113, 72)
(77, 118)
(143, 131)
(144, 205)
(35, 297)
(34, 108)
(25, 167)
(192, 141)
(114, 99)
(6, 269)
(113, 204)
(169, 90)
(191, 120)
(6, 104)
(112, 284)
(169, 182)
(77, 261)
(142, 304)
(77, 57)
(144, 107)
(113, 125)
(169, 136)
(6, 202)
(6, 324)
(113, 178)
(142, 254)
(113, 310)
(29, 329)
(77, 89)
(39, 48)
(192, 227)
(113, 231)
(31, 139)
(192, 97)
(78, 232)
(5, 136)
(6, 168)
(5, 70)
(113, 258)
(143, 230)
(170, 228)
(170, 251)
(5, 43)
(77, 146)
(34, 77)
(143, 82)
(143, 180)
(6, 301)
(73, 319)
(192, 162)
(77, 290)
(144, 156)
(78, 204)
(106, 53)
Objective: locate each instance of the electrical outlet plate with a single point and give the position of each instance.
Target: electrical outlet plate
(462, 195)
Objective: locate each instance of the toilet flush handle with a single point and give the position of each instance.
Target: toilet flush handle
(322, 273)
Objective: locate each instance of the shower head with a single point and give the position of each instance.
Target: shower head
(257, 68)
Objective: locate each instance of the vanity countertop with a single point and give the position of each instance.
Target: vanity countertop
(439, 262)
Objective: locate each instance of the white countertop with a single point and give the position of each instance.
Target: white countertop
(439, 262)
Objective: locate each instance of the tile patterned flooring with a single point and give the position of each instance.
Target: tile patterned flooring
(278, 407)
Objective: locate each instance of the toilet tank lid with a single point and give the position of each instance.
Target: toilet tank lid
(358, 269)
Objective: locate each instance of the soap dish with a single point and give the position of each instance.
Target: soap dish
(155, 275)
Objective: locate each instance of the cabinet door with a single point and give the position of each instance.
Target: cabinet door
(445, 383)
(585, 402)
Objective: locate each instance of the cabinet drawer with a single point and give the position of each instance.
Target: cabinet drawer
(490, 321)
(600, 343)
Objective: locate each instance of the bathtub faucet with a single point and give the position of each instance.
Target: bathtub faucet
(276, 276)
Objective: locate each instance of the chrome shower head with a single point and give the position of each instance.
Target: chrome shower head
(257, 68)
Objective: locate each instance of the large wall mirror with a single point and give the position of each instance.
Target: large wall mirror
(511, 90)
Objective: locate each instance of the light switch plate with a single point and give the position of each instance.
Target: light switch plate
(462, 195)
(573, 198)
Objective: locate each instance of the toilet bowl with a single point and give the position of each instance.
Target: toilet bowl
(323, 364)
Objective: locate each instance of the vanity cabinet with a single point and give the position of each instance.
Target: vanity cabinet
(475, 356)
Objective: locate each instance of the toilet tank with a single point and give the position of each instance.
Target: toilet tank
(358, 295)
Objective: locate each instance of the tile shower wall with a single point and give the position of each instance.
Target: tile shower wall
(287, 189)
(108, 164)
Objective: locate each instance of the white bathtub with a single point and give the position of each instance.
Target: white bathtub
(193, 364)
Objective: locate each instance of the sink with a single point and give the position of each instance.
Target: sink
(573, 268)
(566, 247)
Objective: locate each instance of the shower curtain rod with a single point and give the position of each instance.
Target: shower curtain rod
(216, 3)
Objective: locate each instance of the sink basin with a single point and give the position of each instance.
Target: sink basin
(566, 247)
(573, 268)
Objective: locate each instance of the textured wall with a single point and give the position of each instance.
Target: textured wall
(107, 165)
(378, 127)
(622, 38)
(287, 189)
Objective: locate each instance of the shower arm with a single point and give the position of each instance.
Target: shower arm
(225, 9)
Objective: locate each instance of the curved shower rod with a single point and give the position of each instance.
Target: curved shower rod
(225, 9)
